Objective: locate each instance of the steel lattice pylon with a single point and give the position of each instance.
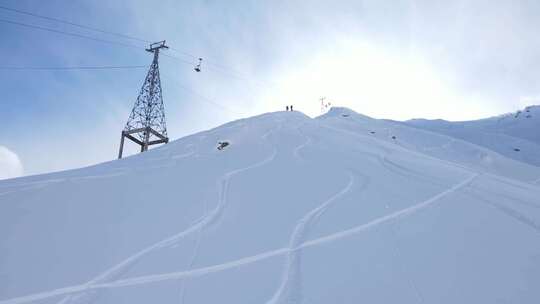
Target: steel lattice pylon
(146, 124)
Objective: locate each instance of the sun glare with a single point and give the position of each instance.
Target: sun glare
(366, 79)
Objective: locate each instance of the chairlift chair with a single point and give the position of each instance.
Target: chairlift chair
(198, 66)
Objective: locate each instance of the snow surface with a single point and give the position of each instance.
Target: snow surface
(294, 210)
(502, 134)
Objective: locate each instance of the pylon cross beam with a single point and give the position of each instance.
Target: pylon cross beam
(145, 132)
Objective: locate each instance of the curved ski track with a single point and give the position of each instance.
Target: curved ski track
(511, 212)
(223, 186)
(289, 290)
(244, 261)
(303, 145)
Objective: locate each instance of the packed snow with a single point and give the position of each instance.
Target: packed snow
(514, 135)
(342, 208)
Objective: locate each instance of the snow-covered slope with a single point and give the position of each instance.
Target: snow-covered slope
(294, 210)
(441, 146)
(515, 135)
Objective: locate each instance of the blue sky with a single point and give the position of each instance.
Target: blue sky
(455, 60)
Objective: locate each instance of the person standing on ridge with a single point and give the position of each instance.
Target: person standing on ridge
(291, 108)
(287, 108)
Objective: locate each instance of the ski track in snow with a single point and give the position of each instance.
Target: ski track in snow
(516, 200)
(243, 261)
(516, 215)
(119, 172)
(42, 184)
(21, 189)
(191, 263)
(511, 212)
(398, 169)
(514, 182)
(441, 147)
(180, 156)
(363, 136)
(223, 186)
(86, 177)
(289, 290)
(389, 165)
(31, 185)
(308, 141)
(508, 180)
(395, 215)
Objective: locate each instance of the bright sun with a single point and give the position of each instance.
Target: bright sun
(366, 79)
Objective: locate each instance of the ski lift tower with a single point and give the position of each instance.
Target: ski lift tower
(146, 123)
(324, 105)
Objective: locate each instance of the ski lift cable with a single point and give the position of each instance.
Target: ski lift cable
(208, 100)
(181, 52)
(64, 68)
(215, 68)
(72, 24)
(203, 98)
(91, 28)
(221, 71)
(206, 60)
(259, 83)
(42, 28)
(177, 58)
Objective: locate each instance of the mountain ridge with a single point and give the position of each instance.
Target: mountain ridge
(291, 204)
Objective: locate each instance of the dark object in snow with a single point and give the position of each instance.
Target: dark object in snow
(528, 116)
(517, 149)
(198, 66)
(222, 145)
(345, 115)
(372, 132)
(291, 108)
(287, 107)
(393, 137)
